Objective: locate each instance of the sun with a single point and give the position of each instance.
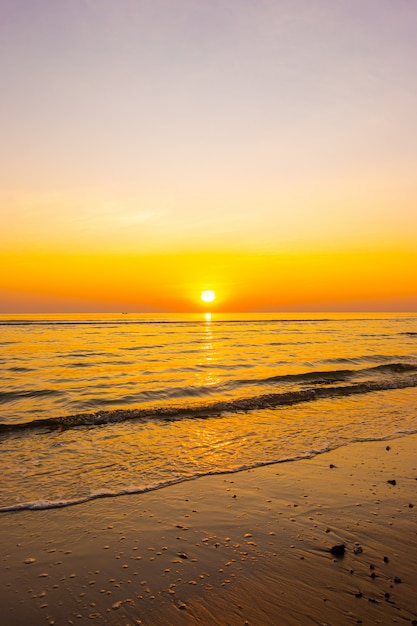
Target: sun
(208, 295)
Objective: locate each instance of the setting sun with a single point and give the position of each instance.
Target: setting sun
(208, 296)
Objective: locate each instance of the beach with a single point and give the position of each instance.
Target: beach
(208, 313)
(252, 547)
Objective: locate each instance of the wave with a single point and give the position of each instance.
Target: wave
(337, 375)
(203, 391)
(40, 505)
(324, 376)
(217, 408)
(366, 358)
(18, 394)
(321, 377)
(126, 321)
(314, 377)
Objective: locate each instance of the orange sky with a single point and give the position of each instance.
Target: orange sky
(242, 282)
(266, 150)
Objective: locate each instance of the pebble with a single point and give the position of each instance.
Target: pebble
(338, 549)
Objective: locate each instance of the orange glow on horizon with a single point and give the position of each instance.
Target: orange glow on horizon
(381, 281)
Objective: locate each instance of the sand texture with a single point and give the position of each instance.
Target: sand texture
(245, 548)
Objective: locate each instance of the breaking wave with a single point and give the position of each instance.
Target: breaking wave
(244, 404)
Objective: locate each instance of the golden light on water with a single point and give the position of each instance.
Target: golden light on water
(208, 295)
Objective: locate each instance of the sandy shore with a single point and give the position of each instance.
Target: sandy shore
(247, 548)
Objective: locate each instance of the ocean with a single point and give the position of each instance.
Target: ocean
(102, 405)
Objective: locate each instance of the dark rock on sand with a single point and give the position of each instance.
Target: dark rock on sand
(338, 549)
(392, 482)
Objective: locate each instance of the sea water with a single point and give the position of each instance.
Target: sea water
(101, 405)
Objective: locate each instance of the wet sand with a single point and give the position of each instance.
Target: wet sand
(245, 548)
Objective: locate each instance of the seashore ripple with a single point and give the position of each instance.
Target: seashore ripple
(57, 468)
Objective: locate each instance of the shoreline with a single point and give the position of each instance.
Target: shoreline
(252, 547)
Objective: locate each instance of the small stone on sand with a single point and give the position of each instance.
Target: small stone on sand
(338, 549)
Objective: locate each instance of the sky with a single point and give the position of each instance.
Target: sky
(151, 149)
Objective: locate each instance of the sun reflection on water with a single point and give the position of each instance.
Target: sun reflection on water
(209, 378)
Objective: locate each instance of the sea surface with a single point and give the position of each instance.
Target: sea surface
(102, 405)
